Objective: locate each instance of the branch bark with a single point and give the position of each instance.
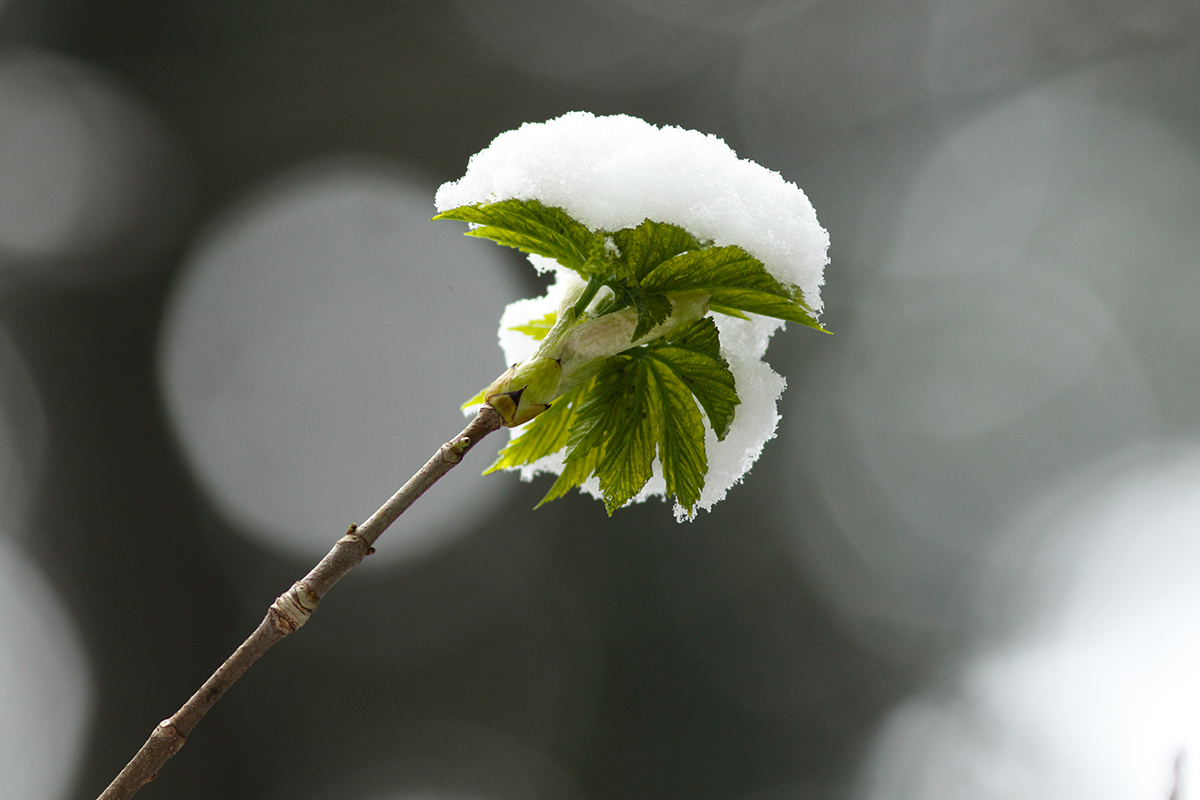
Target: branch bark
(292, 609)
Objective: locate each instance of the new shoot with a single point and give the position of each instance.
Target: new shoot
(638, 373)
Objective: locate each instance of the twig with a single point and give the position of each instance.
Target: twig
(292, 609)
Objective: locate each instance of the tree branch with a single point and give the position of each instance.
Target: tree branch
(292, 609)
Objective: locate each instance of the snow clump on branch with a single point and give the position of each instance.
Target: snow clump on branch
(614, 172)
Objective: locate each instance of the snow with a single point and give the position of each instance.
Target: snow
(614, 172)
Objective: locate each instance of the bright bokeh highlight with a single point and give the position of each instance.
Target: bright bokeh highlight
(89, 184)
(315, 354)
(45, 686)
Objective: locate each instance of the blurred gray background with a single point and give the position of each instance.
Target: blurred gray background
(968, 567)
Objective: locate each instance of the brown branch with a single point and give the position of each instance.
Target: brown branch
(292, 609)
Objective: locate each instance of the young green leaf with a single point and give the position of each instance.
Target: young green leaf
(608, 264)
(573, 474)
(477, 400)
(693, 354)
(726, 310)
(615, 420)
(649, 244)
(736, 280)
(530, 227)
(537, 328)
(679, 434)
(641, 249)
(602, 260)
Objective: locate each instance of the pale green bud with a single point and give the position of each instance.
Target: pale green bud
(524, 390)
(583, 349)
(573, 351)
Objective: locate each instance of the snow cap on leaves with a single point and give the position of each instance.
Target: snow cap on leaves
(613, 173)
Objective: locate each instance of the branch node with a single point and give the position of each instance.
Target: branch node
(352, 536)
(167, 730)
(293, 608)
(453, 451)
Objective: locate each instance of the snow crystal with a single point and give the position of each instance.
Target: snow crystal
(614, 172)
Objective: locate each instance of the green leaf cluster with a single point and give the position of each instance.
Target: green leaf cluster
(645, 402)
(641, 265)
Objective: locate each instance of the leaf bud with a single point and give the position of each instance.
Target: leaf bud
(524, 390)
